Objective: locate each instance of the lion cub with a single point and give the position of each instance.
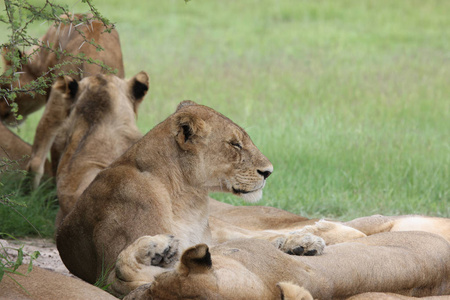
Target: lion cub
(148, 206)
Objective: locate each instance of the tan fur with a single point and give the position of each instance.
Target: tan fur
(158, 187)
(391, 296)
(94, 122)
(64, 37)
(41, 284)
(252, 220)
(378, 223)
(407, 263)
(291, 233)
(291, 291)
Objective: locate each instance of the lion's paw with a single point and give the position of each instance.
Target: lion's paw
(159, 250)
(302, 244)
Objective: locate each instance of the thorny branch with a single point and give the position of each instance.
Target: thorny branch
(19, 39)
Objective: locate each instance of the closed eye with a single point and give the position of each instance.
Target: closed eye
(236, 145)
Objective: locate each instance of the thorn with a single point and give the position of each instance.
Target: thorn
(59, 28)
(48, 44)
(82, 45)
(70, 29)
(79, 24)
(60, 48)
(6, 100)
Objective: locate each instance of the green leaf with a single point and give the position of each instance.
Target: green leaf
(19, 260)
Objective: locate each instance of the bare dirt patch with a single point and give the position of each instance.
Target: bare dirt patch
(48, 259)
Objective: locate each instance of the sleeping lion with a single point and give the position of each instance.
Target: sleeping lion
(408, 263)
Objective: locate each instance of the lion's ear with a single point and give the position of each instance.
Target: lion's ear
(291, 291)
(190, 128)
(139, 86)
(196, 259)
(184, 104)
(67, 86)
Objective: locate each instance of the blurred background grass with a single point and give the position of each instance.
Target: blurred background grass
(350, 100)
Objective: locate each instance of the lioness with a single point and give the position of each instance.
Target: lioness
(156, 196)
(408, 263)
(66, 38)
(100, 127)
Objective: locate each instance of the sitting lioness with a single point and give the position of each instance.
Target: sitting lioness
(64, 37)
(93, 121)
(155, 196)
(408, 263)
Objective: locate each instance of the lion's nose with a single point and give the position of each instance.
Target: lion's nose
(265, 173)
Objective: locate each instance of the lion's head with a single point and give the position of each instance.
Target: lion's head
(201, 274)
(223, 151)
(100, 127)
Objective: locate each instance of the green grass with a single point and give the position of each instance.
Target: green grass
(348, 99)
(27, 213)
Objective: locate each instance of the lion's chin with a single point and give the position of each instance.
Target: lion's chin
(252, 197)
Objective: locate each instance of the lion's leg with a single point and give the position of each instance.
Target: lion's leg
(55, 113)
(141, 261)
(296, 242)
(378, 223)
(332, 232)
(291, 291)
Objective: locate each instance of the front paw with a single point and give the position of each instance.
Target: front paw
(302, 244)
(159, 250)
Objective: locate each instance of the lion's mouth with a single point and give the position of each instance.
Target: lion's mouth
(243, 192)
(256, 188)
(238, 191)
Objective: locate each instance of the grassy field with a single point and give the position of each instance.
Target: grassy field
(350, 100)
